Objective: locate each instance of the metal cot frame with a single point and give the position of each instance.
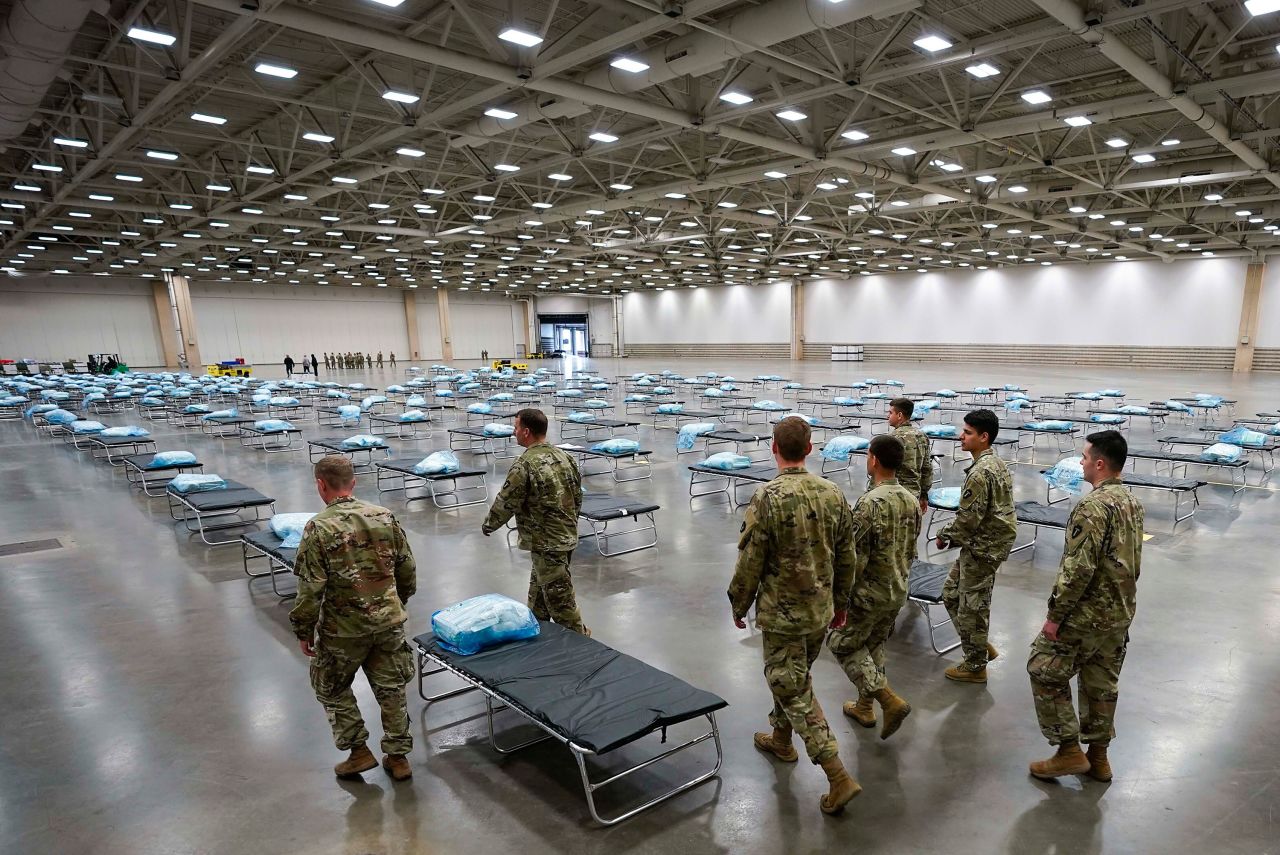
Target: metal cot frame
(589, 787)
(733, 481)
(443, 499)
(190, 514)
(112, 451)
(275, 566)
(599, 524)
(137, 475)
(271, 442)
(630, 461)
(361, 458)
(474, 441)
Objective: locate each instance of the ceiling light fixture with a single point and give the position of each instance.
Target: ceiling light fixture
(1144, 158)
(208, 119)
(400, 97)
(601, 136)
(500, 113)
(317, 137)
(517, 36)
(634, 66)
(932, 43)
(259, 170)
(1036, 96)
(144, 35)
(983, 69)
(342, 179)
(506, 167)
(272, 70)
(1117, 142)
(734, 97)
(1078, 121)
(855, 135)
(791, 115)
(70, 142)
(410, 152)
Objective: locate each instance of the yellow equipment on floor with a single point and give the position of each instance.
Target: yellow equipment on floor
(231, 369)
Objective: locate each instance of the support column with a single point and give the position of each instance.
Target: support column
(188, 345)
(797, 319)
(446, 327)
(164, 322)
(527, 313)
(411, 324)
(1248, 334)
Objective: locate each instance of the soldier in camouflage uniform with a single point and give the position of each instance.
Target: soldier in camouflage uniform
(886, 523)
(355, 574)
(916, 472)
(984, 528)
(1092, 605)
(543, 491)
(796, 563)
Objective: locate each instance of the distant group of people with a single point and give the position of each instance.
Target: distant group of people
(333, 361)
(309, 366)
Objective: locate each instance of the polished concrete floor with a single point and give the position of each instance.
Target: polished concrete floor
(155, 701)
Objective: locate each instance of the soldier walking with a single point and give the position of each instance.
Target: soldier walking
(886, 523)
(543, 491)
(1086, 632)
(796, 564)
(984, 528)
(355, 575)
(916, 472)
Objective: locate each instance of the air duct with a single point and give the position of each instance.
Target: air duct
(35, 41)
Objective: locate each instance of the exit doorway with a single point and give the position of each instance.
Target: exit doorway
(567, 334)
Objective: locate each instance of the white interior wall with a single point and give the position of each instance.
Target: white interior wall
(428, 327)
(756, 314)
(599, 312)
(69, 317)
(1188, 303)
(484, 323)
(263, 323)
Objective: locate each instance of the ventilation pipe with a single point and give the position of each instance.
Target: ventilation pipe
(35, 41)
(698, 53)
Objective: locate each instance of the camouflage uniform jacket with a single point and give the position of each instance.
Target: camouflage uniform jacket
(886, 523)
(985, 524)
(1097, 586)
(543, 491)
(916, 471)
(795, 554)
(355, 572)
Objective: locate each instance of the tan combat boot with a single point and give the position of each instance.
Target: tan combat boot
(397, 766)
(843, 787)
(1099, 765)
(861, 711)
(778, 744)
(992, 653)
(361, 760)
(962, 674)
(895, 710)
(1069, 760)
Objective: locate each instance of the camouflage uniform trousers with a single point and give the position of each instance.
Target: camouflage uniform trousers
(551, 596)
(859, 647)
(967, 597)
(1095, 660)
(787, 660)
(388, 665)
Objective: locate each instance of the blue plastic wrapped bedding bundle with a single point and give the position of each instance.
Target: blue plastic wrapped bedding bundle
(1011, 387)
(412, 416)
(804, 417)
(1241, 435)
(438, 463)
(581, 417)
(473, 625)
(364, 440)
(480, 408)
(1067, 474)
(727, 460)
(221, 414)
(1176, 406)
(357, 386)
(126, 430)
(162, 459)
(637, 399)
(596, 404)
(468, 387)
(1222, 452)
(349, 413)
(1017, 396)
(662, 390)
(179, 393)
(790, 385)
(895, 383)
(495, 429)
(1106, 419)
(713, 392)
(272, 425)
(58, 416)
(940, 431)
(525, 388)
(501, 397)
(600, 387)
(416, 401)
(198, 483)
(846, 401)
(644, 381)
(289, 528)
(927, 404)
(283, 401)
(194, 409)
(372, 401)
(1055, 425)
(876, 396)
(443, 393)
(87, 426)
(568, 393)
(670, 409)
(946, 393)
(10, 400)
(727, 387)
(1133, 410)
(1208, 400)
(1087, 396)
(946, 498)
(334, 393)
(1016, 405)
(617, 445)
(1111, 393)
(981, 390)
(395, 388)
(768, 406)
(90, 398)
(688, 435)
(841, 447)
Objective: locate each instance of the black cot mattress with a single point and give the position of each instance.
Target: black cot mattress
(1035, 513)
(926, 580)
(235, 495)
(601, 506)
(588, 693)
(267, 541)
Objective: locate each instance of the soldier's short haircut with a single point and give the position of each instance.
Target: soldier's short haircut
(888, 450)
(904, 406)
(983, 421)
(792, 435)
(534, 421)
(1111, 446)
(336, 471)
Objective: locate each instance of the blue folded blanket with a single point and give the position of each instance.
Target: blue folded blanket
(349, 413)
(495, 429)
(581, 417)
(1222, 452)
(1241, 435)
(272, 425)
(412, 416)
(1066, 474)
(1053, 425)
(637, 399)
(947, 498)
(1107, 419)
(437, 463)
(126, 430)
(162, 459)
(480, 408)
(670, 409)
(842, 446)
(727, 460)
(689, 434)
(768, 406)
(940, 431)
(221, 414)
(289, 528)
(198, 483)
(85, 426)
(364, 440)
(617, 445)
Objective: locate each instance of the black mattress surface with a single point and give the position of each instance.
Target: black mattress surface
(589, 693)
(738, 436)
(335, 443)
(1036, 513)
(1151, 454)
(404, 465)
(603, 506)
(750, 473)
(140, 461)
(269, 542)
(236, 495)
(926, 580)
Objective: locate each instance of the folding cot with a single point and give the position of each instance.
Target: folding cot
(1179, 488)
(744, 443)
(1205, 409)
(475, 440)
(394, 425)
(361, 456)
(268, 546)
(158, 412)
(797, 391)
(138, 472)
(831, 466)
(672, 421)
(820, 426)
(181, 418)
(12, 411)
(646, 408)
(102, 406)
(270, 441)
(215, 510)
(599, 510)
(1155, 415)
(114, 449)
(1266, 453)
(746, 413)
(1027, 430)
(327, 413)
(1034, 514)
(497, 414)
(1178, 462)
(729, 481)
(299, 410)
(224, 427)
(396, 475)
(619, 462)
(958, 452)
(580, 692)
(603, 428)
(924, 588)
(823, 408)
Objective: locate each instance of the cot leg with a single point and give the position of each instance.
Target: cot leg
(489, 711)
(1032, 544)
(925, 609)
(439, 696)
